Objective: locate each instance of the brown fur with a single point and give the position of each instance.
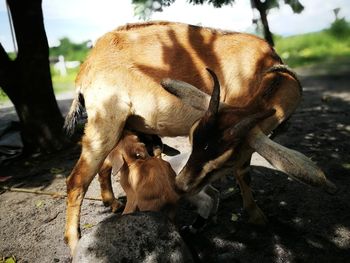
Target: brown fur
(149, 182)
(120, 83)
(226, 132)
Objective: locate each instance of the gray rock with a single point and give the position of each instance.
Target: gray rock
(138, 237)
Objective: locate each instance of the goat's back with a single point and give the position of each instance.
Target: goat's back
(126, 67)
(152, 51)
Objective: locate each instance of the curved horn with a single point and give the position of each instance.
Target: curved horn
(190, 94)
(215, 96)
(291, 162)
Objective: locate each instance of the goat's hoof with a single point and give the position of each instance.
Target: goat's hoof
(330, 188)
(71, 241)
(257, 217)
(198, 225)
(189, 230)
(116, 206)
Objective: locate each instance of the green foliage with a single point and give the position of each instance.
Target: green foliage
(11, 259)
(71, 51)
(144, 8)
(296, 6)
(340, 28)
(215, 3)
(3, 97)
(63, 83)
(313, 47)
(269, 4)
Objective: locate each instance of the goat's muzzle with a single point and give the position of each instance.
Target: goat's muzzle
(186, 183)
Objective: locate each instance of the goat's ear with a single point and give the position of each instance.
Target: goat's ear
(241, 129)
(170, 151)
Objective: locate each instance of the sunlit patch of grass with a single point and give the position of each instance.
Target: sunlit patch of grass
(311, 48)
(3, 96)
(63, 83)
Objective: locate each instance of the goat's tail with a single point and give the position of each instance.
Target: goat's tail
(75, 112)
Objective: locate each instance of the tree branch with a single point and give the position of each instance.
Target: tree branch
(5, 65)
(262, 7)
(4, 58)
(29, 27)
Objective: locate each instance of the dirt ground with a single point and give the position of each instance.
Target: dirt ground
(305, 224)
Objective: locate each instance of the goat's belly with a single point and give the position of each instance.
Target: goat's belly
(171, 128)
(165, 123)
(157, 112)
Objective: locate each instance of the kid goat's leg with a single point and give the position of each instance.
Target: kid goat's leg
(104, 177)
(102, 133)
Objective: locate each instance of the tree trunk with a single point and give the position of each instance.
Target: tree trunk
(262, 10)
(27, 80)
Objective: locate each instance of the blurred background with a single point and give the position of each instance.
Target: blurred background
(304, 31)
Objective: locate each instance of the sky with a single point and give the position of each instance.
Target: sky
(82, 20)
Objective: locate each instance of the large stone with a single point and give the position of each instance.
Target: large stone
(137, 237)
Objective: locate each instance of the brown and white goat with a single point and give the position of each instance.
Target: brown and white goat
(148, 181)
(120, 82)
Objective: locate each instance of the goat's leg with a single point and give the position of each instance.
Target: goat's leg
(256, 216)
(104, 177)
(246, 171)
(101, 135)
(131, 204)
(77, 184)
(205, 204)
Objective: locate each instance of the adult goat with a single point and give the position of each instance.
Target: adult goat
(120, 83)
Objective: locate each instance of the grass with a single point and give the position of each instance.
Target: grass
(63, 83)
(3, 96)
(60, 83)
(313, 48)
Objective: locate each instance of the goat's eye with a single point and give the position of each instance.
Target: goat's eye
(138, 155)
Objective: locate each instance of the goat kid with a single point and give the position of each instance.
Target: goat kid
(148, 181)
(141, 146)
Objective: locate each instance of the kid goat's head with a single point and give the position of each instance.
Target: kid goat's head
(216, 136)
